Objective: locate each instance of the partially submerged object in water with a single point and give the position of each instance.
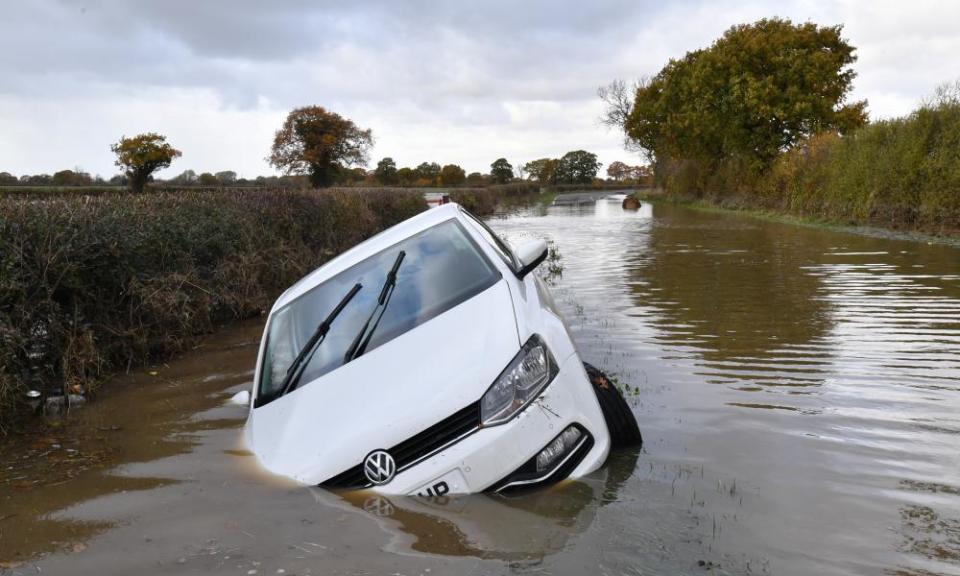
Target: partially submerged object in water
(429, 360)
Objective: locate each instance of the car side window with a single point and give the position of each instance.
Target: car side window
(502, 248)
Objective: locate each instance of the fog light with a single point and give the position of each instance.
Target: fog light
(559, 448)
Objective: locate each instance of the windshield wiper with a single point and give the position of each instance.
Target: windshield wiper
(359, 344)
(299, 363)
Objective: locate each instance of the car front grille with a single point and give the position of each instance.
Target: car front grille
(418, 447)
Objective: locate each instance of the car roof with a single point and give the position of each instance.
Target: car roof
(367, 248)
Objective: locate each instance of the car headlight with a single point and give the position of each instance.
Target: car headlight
(523, 379)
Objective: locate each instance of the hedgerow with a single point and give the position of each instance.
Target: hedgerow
(94, 284)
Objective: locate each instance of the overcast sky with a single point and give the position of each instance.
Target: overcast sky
(450, 82)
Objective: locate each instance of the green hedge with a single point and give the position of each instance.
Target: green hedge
(93, 284)
(902, 173)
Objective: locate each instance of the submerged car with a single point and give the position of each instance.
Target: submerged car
(428, 360)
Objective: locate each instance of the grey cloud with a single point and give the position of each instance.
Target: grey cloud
(375, 50)
(464, 78)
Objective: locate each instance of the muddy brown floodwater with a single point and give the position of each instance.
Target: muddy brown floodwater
(798, 390)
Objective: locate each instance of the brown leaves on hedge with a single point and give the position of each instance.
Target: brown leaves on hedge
(94, 284)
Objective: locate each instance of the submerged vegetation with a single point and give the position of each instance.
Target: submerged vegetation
(90, 285)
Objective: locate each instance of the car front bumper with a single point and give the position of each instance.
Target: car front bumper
(482, 460)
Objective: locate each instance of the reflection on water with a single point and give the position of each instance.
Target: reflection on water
(520, 529)
(819, 370)
(797, 389)
(731, 296)
(488, 527)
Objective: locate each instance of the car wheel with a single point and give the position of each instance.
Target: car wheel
(621, 422)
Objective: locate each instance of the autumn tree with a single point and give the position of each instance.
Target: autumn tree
(207, 179)
(143, 155)
(577, 167)
(642, 174)
(353, 175)
(386, 172)
(501, 171)
(543, 170)
(452, 175)
(759, 90)
(428, 173)
(319, 143)
(475, 179)
(71, 178)
(406, 176)
(619, 171)
(36, 179)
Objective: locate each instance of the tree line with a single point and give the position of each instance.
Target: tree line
(320, 148)
(75, 177)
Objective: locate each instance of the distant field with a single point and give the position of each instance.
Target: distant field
(523, 186)
(57, 190)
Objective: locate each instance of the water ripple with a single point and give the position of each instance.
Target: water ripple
(820, 368)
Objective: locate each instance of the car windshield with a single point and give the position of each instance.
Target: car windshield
(442, 268)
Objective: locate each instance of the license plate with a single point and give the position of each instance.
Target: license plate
(452, 481)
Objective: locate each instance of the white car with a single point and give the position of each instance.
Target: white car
(428, 360)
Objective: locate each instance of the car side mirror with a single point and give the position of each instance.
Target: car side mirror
(241, 398)
(530, 254)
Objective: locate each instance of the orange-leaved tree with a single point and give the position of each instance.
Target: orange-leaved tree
(319, 143)
(143, 155)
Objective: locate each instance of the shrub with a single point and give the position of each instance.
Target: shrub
(94, 284)
(903, 173)
(483, 201)
(479, 201)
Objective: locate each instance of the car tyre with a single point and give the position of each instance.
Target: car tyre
(621, 422)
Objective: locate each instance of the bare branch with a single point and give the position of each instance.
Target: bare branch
(618, 98)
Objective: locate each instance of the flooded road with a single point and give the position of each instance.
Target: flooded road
(798, 390)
